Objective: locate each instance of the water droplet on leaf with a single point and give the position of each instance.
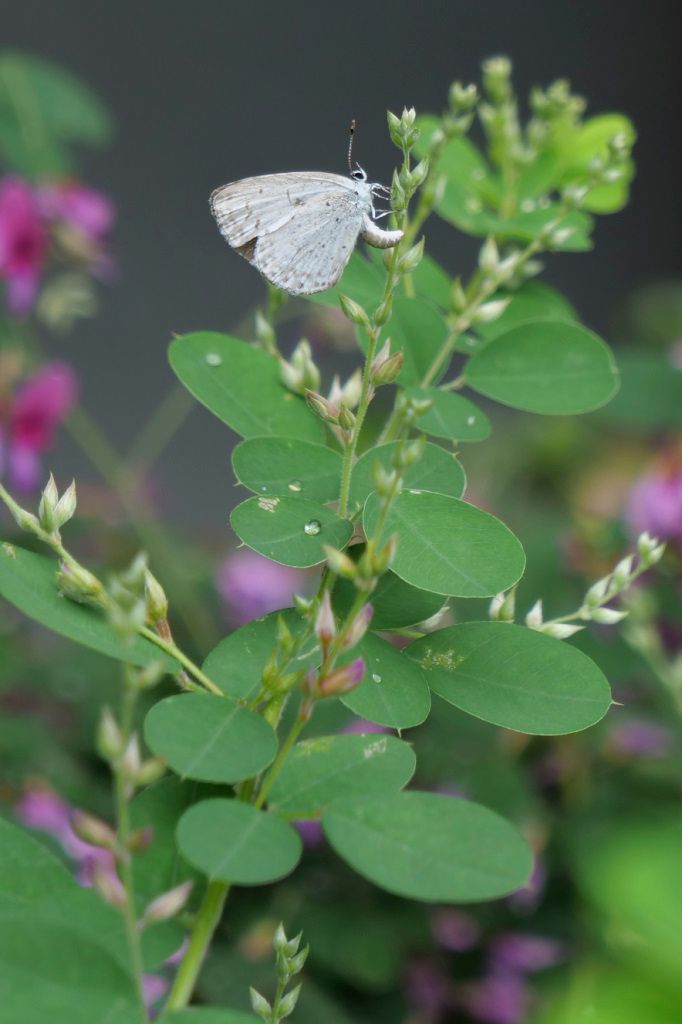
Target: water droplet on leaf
(376, 678)
(213, 359)
(312, 527)
(470, 421)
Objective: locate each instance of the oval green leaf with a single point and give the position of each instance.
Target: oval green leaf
(513, 677)
(292, 531)
(428, 847)
(241, 386)
(159, 807)
(448, 546)
(324, 769)
(390, 693)
(236, 663)
(436, 470)
(231, 841)
(545, 366)
(284, 466)
(209, 738)
(28, 581)
(396, 604)
(451, 416)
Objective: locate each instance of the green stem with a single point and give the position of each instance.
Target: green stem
(278, 763)
(206, 922)
(175, 652)
(365, 398)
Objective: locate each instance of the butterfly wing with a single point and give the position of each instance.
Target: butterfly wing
(298, 229)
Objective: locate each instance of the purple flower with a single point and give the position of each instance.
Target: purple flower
(638, 738)
(35, 411)
(498, 998)
(655, 505)
(528, 898)
(82, 208)
(524, 953)
(154, 987)
(310, 831)
(362, 726)
(252, 585)
(426, 987)
(23, 243)
(455, 930)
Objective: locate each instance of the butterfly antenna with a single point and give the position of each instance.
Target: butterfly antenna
(351, 133)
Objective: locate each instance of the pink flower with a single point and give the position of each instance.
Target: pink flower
(252, 585)
(519, 951)
(502, 998)
(655, 505)
(362, 726)
(455, 930)
(310, 831)
(82, 208)
(639, 738)
(23, 243)
(35, 411)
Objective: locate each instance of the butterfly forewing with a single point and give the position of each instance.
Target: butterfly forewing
(297, 228)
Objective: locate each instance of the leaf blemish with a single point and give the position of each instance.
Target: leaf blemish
(268, 504)
(441, 659)
(378, 747)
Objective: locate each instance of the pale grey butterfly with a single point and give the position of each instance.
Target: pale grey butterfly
(299, 228)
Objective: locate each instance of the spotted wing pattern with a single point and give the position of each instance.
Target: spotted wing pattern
(298, 229)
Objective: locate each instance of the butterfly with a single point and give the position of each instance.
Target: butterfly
(299, 228)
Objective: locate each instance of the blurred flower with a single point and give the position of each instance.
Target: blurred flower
(252, 585)
(519, 951)
(30, 422)
(23, 243)
(528, 898)
(361, 725)
(40, 808)
(639, 738)
(455, 930)
(310, 831)
(154, 987)
(498, 998)
(427, 988)
(80, 218)
(655, 504)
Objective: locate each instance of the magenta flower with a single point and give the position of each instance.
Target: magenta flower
(427, 988)
(655, 505)
(499, 998)
(519, 951)
(455, 930)
(35, 411)
(252, 585)
(362, 726)
(639, 738)
(23, 243)
(89, 212)
(310, 831)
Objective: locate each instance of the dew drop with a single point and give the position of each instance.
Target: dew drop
(376, 678)
(295, 486)
(527, 205)
(263, 487)
(470, 421)
(213, 359)
(413, 490)
(312, 527)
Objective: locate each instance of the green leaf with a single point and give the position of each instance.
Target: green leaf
(159, 807)
(428, 847)
(533, 301)
(514, 677)
(321, 770)
(289, 530)
(650, 393)
(448, 546)
(419, 330)
(58, 108)
(436, 470)
(54, 972)
(451, 416)
(231, 841)
(28, 581)
(210, 738)
(545, 366)
(27, 870)
(362, 280)
(207, 1015)
(396, 604)
(591, 141)
(430, 281)
(390, 693)
(285, 465)
(241, 386)
(236, 664)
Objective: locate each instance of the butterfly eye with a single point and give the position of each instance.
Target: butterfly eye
(358, 174)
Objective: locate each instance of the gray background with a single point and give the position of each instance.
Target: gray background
(212, 91)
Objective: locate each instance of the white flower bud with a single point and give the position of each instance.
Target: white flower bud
(534, 616)
(560, 630)
(597, 593)
(166, 906)
(623, 572)
(606, 616)
(489, 256)
(260, 1005)
(490, 311)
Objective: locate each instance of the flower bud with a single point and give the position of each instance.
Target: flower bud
(560, 630)
(623, 572)
(649, 549)
(109, 739)
(489, 256)
(151, 770)
(66, 506)
(342, 680)
(462, 98)
(260, 1005)
(287, 1003)
(168, 905)
(409, 453)
(346, 418)
(606, 616)
(560, 236)
(490, 311)
(383, 559)
(78, 584)
(353, 311)
(386, 367)
(264, 330)
(157, 602)
(321, 407)
(534, 616)
(502, 606)
(597, 593)
(108, 885)
(47, 506)
(458, 299)
(284, 946)
(410, 260)
(383, 480)
(303, 605)
(358, 627)
(418, 176)
(325, 624)
(131, 763)
(296, 963)
(292, 377)
(383, 311)
(93, 830)
(340, 563)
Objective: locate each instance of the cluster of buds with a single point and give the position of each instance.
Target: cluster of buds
(593, 608)
(603, 169)
(300, 373)
(325, 622)
(127, 591)
(274, 677)
(499, 114)
(289, 962)
(386, 365)
(403, 131)
(553, 107)
(123, 756)
(405, 183)
(55, 510)
(336, 408)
